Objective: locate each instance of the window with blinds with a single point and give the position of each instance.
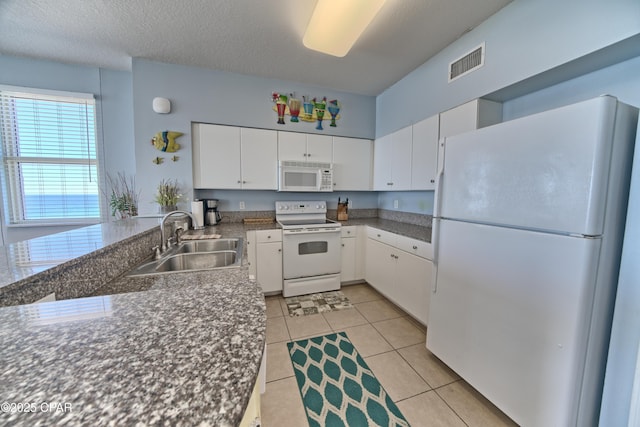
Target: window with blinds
(50, 168)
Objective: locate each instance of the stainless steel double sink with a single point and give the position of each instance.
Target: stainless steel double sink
(194, 255)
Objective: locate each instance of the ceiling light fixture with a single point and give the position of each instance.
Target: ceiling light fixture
(336, 24)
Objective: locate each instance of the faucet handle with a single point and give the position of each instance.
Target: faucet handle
(179, 232)
(156, 248)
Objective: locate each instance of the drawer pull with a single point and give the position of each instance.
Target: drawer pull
(415, 247)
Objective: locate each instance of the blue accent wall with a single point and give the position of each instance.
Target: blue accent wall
(210, 96)
(524, 39)
(114, 110)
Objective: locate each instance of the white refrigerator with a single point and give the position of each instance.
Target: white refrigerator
(528, 224)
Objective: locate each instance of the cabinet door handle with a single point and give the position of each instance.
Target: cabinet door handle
(391, 255)
(343, 245)
(389, 183)
(239, 182)
(379, 235)
(348, 232)
(415, 247)
(279, 250)
(433, 181)
(244, 182)
(268, 237)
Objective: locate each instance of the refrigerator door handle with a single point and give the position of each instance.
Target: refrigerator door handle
(439, 178)
(435, 237)
(435, 227)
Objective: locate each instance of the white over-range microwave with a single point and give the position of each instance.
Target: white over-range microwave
(304, 176)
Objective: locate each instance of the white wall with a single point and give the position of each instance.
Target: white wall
(209, 96)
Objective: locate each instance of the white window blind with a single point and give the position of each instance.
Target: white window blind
(49, 157)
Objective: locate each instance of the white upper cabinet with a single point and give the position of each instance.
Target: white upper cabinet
(304, 147)
(352, 164)
(319, 148)
(229, 157)
(424, 161)
(473, 115)
(382, 150)
(392, 161)
(259, 159)
(216, 156)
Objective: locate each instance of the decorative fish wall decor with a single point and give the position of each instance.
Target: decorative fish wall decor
(166, 141)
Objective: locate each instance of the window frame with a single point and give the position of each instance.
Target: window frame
(13, 202)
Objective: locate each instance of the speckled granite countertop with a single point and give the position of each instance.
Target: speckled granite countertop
(185, 352)
(419, 232)
(22, 260)
(176, 349)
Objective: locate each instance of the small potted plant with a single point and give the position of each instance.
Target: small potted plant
(123, 199)
(168, 195)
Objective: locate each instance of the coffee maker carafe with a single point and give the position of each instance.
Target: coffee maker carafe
(211, 215)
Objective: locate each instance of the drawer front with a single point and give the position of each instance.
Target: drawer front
(266, 236)
(382, 236)
(349, 231)
(416, 247)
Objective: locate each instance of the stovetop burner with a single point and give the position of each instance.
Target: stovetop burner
(303, 214)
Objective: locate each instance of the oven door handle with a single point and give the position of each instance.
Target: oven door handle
(300, 231)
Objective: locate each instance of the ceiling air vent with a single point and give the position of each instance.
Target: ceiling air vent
(467, 63)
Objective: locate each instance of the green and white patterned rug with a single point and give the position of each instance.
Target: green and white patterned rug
(337, 386)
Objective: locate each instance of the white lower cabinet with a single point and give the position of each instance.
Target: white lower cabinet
(380, 267)
(405, 278)
(352, 253)
(348, 270)
(414, 276)
(251, 417)
(264, 250)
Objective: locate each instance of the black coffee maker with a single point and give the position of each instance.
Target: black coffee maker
(211, 214)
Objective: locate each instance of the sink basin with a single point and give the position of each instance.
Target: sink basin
(194, 256)
(189, 246)
(197, 261)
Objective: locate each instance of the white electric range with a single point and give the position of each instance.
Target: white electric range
(311, 249)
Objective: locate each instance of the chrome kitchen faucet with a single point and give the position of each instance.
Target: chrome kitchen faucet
(164, 241)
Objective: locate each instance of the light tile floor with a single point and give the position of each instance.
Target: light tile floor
(393, 345)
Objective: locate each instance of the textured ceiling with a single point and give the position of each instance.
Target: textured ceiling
(255, 37)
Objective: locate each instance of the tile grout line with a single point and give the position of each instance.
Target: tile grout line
(447, 403)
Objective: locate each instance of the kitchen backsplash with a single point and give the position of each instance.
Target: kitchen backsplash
(406, 217)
